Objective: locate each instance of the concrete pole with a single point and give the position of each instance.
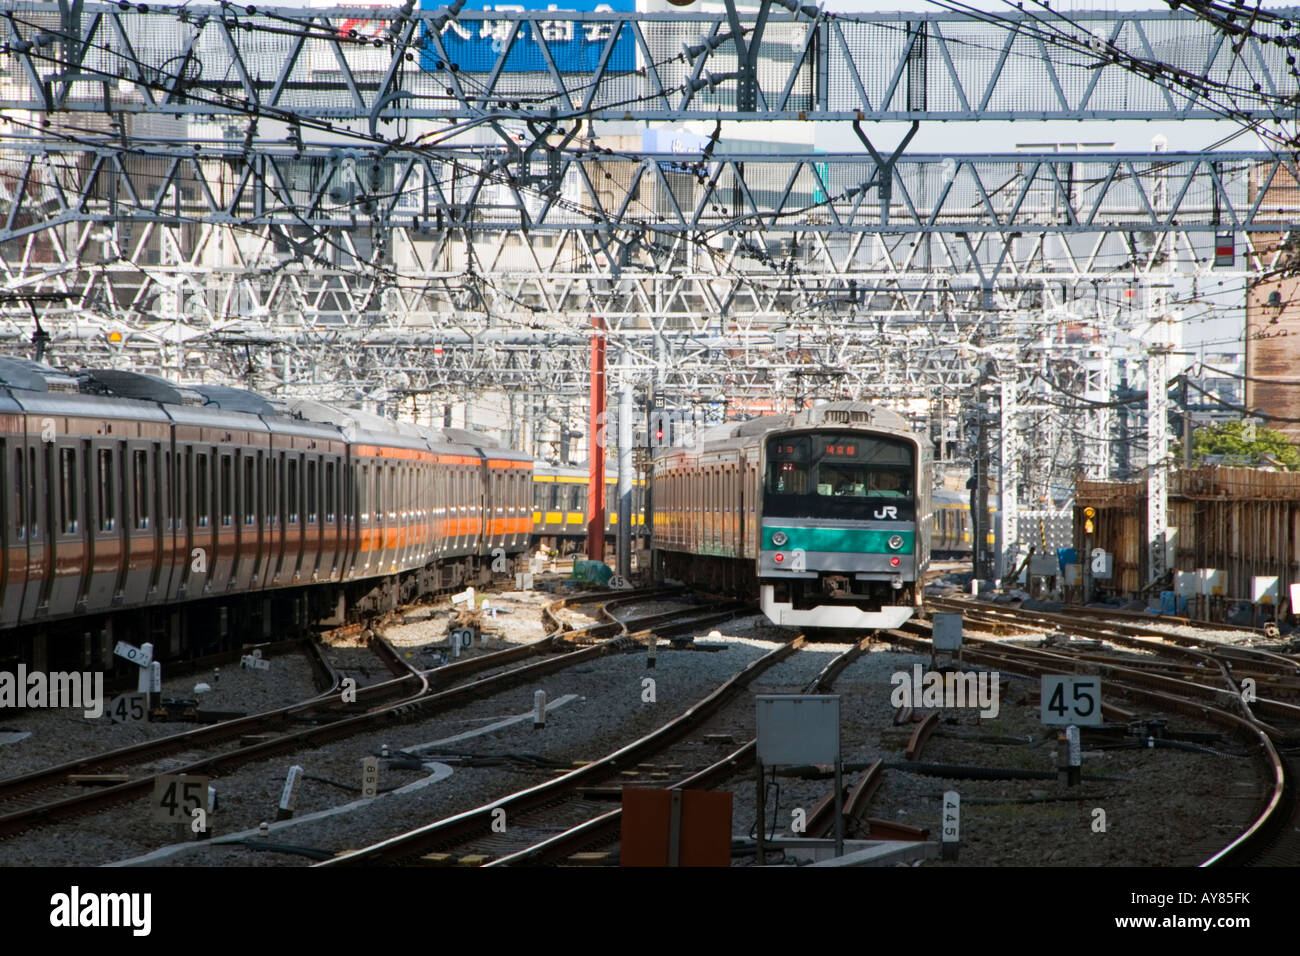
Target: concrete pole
(1157, 449)
(1008, 478)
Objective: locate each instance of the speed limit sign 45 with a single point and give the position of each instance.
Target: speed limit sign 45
(1071, 700)
(177, 796)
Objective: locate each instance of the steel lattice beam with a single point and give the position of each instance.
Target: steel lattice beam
(626, 65)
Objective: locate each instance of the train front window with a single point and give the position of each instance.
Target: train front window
(860, 481)
(843, 476)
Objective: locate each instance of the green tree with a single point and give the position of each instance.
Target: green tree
(1227, 438)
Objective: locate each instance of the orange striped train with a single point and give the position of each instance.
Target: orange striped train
(137, 509)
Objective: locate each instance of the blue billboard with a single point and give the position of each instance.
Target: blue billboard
(475, 45)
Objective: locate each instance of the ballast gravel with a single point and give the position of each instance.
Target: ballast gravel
(62, 735)
(614, 708)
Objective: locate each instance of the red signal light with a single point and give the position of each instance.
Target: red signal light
(893, 562)
(778, 557)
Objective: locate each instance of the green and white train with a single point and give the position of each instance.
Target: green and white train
(823, 515)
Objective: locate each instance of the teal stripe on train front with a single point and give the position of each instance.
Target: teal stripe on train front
(855, 540)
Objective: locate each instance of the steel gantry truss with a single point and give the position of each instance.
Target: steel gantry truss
(782, 62)
(379, 205)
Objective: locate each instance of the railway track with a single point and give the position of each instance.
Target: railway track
(554, 820)
(1273, 836)
(36, 798)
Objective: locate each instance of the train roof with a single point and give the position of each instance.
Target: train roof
(546, 469)
(354, 424)
(120, 393)
(88, 406)
(949, 496)
(32, 376)
(230, 399)
(138, 385)
(828, 414)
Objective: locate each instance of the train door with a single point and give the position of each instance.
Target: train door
(311, 527)
(379, 518)
(8, 537)
(295, 538)
(224, 532)
(44, 532)
(488, 495)
(125, 522)
(330, 518)
(742, 502)
(28, 579)
(252, 543)
(366, 499)
(71, 542)
(238, 523)
(185, 516)
(401, 506)
(205, 520)
(155, 495)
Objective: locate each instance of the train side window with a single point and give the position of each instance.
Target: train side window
(379, 493)
(329, 491)
(250, 490)
(20, 488)
(155, 480)
(291, 489)
(68, 488)
(226, 506)
(107, 509)
(202, 497)
(33, 512)
(188, 484)
(311, 491)
(272, 492)
(393, 503)
(163, 463)
(141, 478)
(363, 494)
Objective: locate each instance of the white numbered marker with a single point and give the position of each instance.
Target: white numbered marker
(1071, 700)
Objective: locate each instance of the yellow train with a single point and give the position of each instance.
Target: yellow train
(560, 505)
(950, 536)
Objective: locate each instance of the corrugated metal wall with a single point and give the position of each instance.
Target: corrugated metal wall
(1244, 521)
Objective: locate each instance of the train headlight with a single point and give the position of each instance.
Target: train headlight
(896, 541)
(778, 557)
(779, 539)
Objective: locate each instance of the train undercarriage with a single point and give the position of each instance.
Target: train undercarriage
(831, 601)
(191, 629)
